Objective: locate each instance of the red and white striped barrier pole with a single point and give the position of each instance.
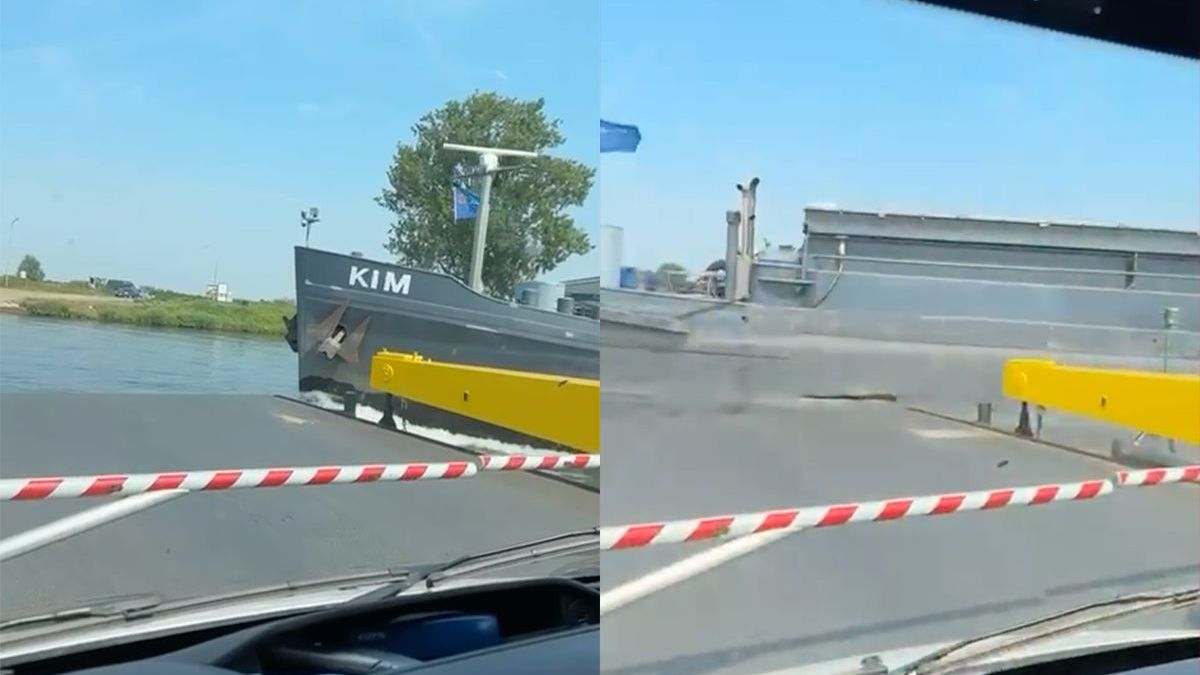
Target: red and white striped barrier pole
(699, 529)
(1159, 476)
(65, 487)
(537, 463)
(78, 523)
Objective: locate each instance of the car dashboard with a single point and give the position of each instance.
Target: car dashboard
(528, 627)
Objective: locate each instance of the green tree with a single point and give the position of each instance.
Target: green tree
(32, 268)
(529, 231)
(665, 272)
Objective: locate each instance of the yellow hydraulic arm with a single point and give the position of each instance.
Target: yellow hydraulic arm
(563, 410)
(1163, 404)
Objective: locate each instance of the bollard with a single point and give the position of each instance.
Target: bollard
(1168, 323)
(1023, 422)
(983, 413)
(388, 421)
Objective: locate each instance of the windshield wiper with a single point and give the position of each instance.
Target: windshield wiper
(140, 606)
(1054, 626)
(548, 548)
(396, 581)
(567, 543)
(128, 608)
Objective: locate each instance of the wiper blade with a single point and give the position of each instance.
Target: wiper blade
(140, 606)
(128, 608)
(1055, 625)
(559, 545)
(548, 548)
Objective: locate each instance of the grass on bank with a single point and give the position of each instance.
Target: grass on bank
(262, 317)
(71, 287)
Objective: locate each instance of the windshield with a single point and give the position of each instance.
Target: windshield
(190, 192)
(908, 198)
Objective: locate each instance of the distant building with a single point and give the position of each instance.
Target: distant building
(218, 292)
(611, 237)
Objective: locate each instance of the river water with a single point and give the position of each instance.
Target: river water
(80, 356)
(61, 355)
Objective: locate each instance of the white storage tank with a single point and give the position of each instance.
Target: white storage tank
(540, 294)
(610, 256)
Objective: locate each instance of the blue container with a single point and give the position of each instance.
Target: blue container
(435, 635)
(629, 277)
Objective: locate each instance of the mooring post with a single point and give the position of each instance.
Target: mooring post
(983, 413)
(388, 421)
(1023, 422)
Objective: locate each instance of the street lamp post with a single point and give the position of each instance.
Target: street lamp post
(307, 220)
(8, 249)
(211, 249)
(489, 160)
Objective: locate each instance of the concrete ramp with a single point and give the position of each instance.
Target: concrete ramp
(214, 542)
(697, 435)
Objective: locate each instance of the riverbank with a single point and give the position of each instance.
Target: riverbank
(12, 297)
(263, 317)
(10, 284)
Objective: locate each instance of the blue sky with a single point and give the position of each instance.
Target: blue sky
(156, 141)
(881, 105)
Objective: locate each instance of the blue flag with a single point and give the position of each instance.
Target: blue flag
(466, 203)
(619, 137)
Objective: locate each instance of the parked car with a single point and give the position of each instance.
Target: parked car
(129, 291)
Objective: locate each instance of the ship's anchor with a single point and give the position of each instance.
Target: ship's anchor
(332, 344)
(332, 339)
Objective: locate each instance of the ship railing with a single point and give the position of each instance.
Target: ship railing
(1128, 274)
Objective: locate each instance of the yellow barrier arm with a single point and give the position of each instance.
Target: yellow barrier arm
(1163, 404)
(563, 410)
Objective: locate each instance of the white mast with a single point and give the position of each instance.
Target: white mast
(489, 159)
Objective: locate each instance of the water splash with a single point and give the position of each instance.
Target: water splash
(475, 443)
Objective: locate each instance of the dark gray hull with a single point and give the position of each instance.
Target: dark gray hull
(384, 306)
